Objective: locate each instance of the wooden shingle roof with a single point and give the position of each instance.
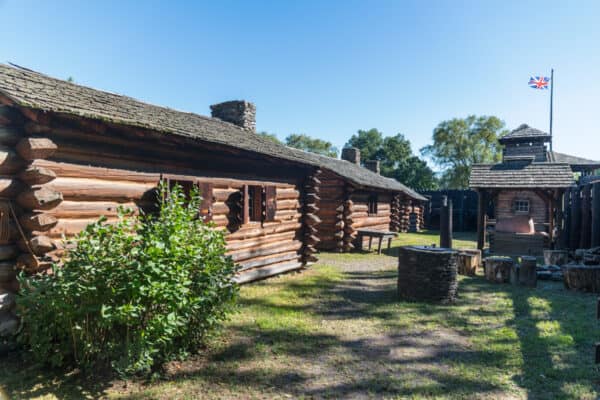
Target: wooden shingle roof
(574, 161)
(521, 175)
(524, 133)
(33, 90)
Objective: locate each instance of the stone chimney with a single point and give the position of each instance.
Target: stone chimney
(372, 165)
(238, 112)
(351, 154)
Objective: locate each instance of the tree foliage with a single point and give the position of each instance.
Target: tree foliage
(462, 142)
(313, 145)
(131, 294)
(270, 136)
(396, 158)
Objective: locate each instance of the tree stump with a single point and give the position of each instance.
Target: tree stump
(468, 261)
(556, 257)
(514, 274)
(428, 274)
(528, 271)
(498, 269)
(585, 278)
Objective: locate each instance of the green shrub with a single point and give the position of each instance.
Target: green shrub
(133, 294)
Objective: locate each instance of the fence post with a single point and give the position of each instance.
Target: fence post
(446, 223)
(575, 219)
(595, 215)
(566, 227)
(586, 212)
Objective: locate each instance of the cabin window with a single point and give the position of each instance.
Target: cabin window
(521, 206)
(260, 204)
(205, 190)
(372, 204)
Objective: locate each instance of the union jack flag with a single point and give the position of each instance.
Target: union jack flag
(539, 82)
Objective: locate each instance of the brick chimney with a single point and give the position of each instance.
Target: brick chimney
(238, 112)
(351, 154)
(373, 165)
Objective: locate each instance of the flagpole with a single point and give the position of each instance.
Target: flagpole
(551, 99)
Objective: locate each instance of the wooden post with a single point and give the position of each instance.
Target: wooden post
(481, 211)
(566, 217)
(575, 219)
(595, 215)
(528, 272)
(446, 223)
(586, 223)
(551, 220)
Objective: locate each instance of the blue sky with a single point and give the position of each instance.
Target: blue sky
(328, 68)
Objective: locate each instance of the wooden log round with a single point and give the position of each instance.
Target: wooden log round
(40, 245)
(36, 175)
(311, 219)
(32, 264)
(528, 271)
(556, 257)
(32, 148)
(427, 274)
(584, 278)
(39, 199)
(467, 263)
(498, 269)
(37, 222)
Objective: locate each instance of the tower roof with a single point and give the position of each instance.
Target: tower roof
(525, 133)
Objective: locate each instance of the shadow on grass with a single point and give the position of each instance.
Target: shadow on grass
(555, 329)
(22, 379)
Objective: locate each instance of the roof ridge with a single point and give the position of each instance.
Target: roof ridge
(27, 88)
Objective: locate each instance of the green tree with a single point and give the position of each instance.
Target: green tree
(270, 136)
(368, 142)
(462, 142)
(313, 145)
(396, 157)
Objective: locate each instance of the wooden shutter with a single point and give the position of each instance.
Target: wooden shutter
(245, 213)
(258, 206)
(206, 192)
(270, 202)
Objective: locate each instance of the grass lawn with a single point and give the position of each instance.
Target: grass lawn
(337, 330)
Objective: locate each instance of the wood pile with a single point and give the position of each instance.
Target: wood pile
(498, 269)
(427, 274)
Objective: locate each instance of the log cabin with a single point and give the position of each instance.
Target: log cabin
(70, 154)
(526, 190)
(358, 198)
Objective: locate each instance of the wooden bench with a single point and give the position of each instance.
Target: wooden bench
(381, 235)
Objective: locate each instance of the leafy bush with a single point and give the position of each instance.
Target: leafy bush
(131, 294)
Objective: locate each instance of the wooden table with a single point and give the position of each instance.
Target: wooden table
(381, 235)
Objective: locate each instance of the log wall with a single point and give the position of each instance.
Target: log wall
(361, 219)
(538, 208)
(62, 176)
(331, 212)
